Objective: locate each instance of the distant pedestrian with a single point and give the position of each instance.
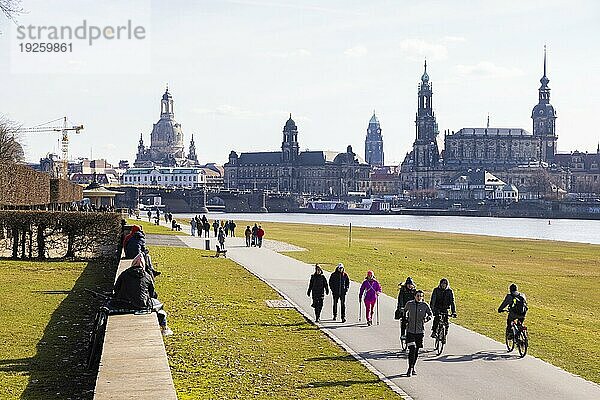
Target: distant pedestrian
(254, 230)
(371, 289)
(339, 282)
(221, 238)
(193, 226)
(206, 227)
(418, 313)
(232, 226)
(226, 228)
(260, 233)
(248, 234)
(149, 215)
(317, 287)
(215, 226)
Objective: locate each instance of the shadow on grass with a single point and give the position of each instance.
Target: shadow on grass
(58, 370)
(346, 383)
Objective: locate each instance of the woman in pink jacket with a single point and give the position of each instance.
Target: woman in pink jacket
(371, 289)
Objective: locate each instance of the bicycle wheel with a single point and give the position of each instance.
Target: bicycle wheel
(440, 338)
(96, 339)
(523, 343)
(510, 342)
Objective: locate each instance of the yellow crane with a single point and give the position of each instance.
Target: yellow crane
(64, 129)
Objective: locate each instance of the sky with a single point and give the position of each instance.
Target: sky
(237, 69)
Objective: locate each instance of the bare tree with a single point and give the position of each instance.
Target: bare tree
(11, 8)
(10, 148)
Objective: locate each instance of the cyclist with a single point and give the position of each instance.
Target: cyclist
(406, 294)
(418, 313)
(442, 299)
(517, 307)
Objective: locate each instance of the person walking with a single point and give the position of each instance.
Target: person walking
(371, 289)
(226, 228)
(248, 234)
(442, 299)
(418, 313)
(260, 233)
(215, 226)
(317, 287)
(221, 238)
(254, 230)
(193, 226)
(339, 282)
(232, 226)
(206, 226)
(407, 293)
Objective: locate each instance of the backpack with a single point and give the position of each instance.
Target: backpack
(519, 305)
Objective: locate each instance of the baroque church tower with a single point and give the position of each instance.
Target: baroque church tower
(425, 149)
(374, 143)
(290, 147)
(544, 120)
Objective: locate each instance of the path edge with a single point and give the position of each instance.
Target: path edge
(394, 387)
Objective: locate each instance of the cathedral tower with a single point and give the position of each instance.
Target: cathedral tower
(544, 120)
(374, 143)
(290, 147)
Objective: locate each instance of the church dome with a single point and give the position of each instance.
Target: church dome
(543, 110)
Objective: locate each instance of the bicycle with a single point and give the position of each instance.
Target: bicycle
(519, 337)
(403, 344)
(441, 333)
(96, 339)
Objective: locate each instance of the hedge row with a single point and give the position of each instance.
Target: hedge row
(63, 191)
(55, 234)
(23, 186)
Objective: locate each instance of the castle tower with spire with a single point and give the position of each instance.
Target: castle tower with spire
(425, 149)
(374, 143)
(289, 146)
(192, 157)
(544, 120)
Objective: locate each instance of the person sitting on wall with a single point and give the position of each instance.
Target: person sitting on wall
(135, 245)
(134, 289)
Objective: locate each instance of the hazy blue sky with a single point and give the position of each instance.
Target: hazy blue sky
(237, 68)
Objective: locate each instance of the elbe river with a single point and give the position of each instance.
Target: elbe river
(568, 230)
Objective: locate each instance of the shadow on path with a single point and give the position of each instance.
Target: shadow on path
(346, 383)
(480, 355)
(58, 369)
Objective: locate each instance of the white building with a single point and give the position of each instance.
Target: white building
(165, 176)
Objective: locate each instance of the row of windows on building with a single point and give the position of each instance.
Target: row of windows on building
(243, 173)
(180, 178)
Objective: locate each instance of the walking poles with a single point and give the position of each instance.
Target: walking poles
(377, 305)
(359, 309)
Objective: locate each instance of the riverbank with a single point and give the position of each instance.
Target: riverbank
(578, 231)
(558, 278)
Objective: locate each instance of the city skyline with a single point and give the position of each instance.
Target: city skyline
(330, 67)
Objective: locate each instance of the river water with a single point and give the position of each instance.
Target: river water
(568, 230)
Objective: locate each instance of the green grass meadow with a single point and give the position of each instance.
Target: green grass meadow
(560, 280)
(45, 318)
(229, 345)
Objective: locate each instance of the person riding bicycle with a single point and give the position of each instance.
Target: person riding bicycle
(406, 294)
(442, 299)
(134, 289)
(517, 307)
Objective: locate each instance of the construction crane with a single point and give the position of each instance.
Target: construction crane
(65, 129)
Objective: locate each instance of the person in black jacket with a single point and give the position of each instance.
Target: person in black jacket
(134, 289)
(407, 293)
(442, 299)
(318, 287)
(137, 245)
(339, 282)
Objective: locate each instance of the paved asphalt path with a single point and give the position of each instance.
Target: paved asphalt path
(472, 366)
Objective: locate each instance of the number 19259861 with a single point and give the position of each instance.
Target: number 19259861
(46, 47)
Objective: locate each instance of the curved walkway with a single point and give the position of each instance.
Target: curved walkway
(471, 367)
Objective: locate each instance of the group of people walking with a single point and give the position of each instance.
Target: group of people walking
(412, 311)
(254, 236)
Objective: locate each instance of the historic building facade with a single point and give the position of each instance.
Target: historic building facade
(526, 160)
(290, 170)
(166, 141)
(374, 143)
